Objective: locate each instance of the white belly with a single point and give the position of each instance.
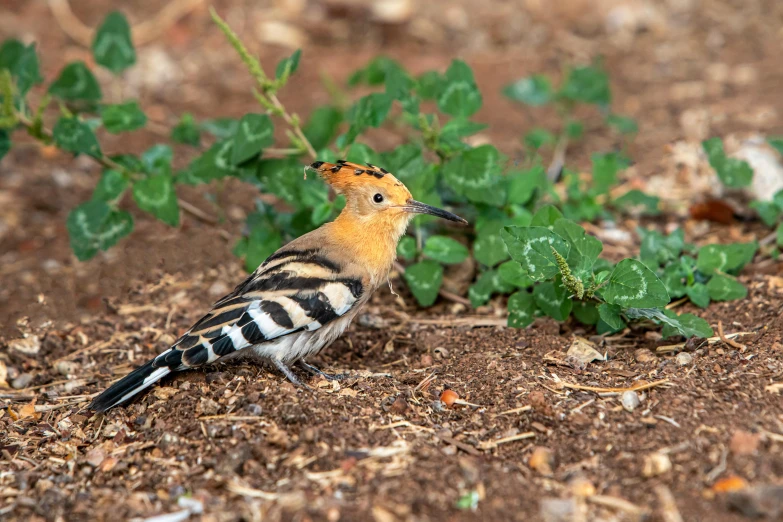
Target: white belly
(300, 345)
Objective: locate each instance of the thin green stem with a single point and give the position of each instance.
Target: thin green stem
(266, 93)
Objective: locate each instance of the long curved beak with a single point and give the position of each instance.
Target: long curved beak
(417, 207)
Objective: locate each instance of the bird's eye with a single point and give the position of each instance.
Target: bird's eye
(378, 198)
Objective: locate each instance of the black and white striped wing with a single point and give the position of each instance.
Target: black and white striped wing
(292, 291)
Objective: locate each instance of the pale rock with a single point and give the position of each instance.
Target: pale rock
(280, 33)
(630, 400)
(27, 345)
(392, 11)
(559, 510)
(684, 358)
(767, 170)
(656, 464)
(584, 351)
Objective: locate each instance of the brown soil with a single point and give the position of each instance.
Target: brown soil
(247, 445)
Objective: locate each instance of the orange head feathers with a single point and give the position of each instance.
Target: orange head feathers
(373, 191)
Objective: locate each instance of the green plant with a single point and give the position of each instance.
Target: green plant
(702, 274)
(559, 262)
(736, 173)
(586, 85)
(436, 161)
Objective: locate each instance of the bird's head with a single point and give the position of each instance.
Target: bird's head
(373, 193)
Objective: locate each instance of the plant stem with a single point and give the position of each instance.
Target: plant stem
(267, 89)
(39, 131)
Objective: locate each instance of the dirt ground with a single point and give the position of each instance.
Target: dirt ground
(237, 442)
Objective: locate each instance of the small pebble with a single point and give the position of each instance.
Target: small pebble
(543, 461)
(253, 409)
(22, 381)
(656, 464)
(684, 358)
(630, 400)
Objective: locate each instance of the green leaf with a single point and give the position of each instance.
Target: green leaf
(369, 111)
(111, 186)
(672, 279)
(429, 85)
(729, 258)
(574, 129)
(658, 250)
(632, 284)
(279, 176)
(585, 249)
(322, 126)
(637, 199)
(215, 163)
(622, 124)
(732, 172)
(460, 96)
(262, 241)
(446, 250)
(521, 309)
(76, 82)
(461, 128)
(778, 232)
(5, 143)
(605, 169)
(255, 131)
(321, 213)
(476, 174)
(22, 62)
(76, 136)
(586, 313)
(480, 291)
(538, 137)
(186, 131)
(489, 248)
(587, 84)
(546, 216)
(94, 226)
(156, 195)
(112, 46)
(512, 273)
(221, 128)
(532, 248)
(288, 66)
(553, 300)
(768, 211)
(725, 288)
(399, 86)
(374, 73)
(157, 159)
(406, 248)
(699, 294)
(776, 142)
(362, 154)
(123, 117)
(610, 314)
(534, 90)
(424, 280)
(522, 184)
(687, 325)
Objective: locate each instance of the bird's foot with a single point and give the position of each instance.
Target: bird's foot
(290, 375)
(328, 376)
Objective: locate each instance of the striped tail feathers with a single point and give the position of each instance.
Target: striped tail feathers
(138, 380)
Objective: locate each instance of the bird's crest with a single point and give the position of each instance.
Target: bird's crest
(345, 174)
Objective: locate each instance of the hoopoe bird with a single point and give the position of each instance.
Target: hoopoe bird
(303, 296)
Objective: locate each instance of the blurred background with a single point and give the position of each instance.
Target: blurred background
(684, 70)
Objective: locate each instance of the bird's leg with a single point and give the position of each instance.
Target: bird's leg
(328, 376)
(285, 370)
